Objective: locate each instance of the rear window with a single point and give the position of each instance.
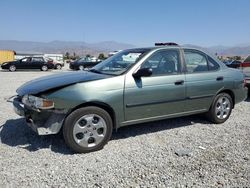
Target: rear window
(212, 64)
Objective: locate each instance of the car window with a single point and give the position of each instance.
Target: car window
(120, 62)
(195, 62)
(212, 64)
(27, 59)
(37, 59)
(163, 62)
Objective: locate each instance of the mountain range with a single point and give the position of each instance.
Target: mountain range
(83, 48)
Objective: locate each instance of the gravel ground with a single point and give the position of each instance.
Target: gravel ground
(137, 156)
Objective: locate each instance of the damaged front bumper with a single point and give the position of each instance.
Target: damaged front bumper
(44, 122)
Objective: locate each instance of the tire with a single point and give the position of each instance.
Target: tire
(58, 67)
(44, 68)
(87, 129)
(220, 109)
(12, 68)
(81, 67)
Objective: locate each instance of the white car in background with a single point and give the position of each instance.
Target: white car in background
(57, 59)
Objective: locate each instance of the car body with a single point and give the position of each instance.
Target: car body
(134, 86)
(233, 64)
(57, 60)
(245, 66)
(29, 63)
(82, 63)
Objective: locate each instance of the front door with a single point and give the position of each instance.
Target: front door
(159, 95)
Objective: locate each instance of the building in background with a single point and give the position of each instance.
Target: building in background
(7, 55)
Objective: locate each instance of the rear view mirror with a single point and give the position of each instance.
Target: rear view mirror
(143, 72)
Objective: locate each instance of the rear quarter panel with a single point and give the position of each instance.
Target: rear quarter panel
(234, 81)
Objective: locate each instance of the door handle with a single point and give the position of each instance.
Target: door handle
(220, 78)
(179, 82)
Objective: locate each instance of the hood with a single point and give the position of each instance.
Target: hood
(58, 80)
(8, 62)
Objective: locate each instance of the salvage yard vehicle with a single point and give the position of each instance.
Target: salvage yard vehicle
(82, 63)
(233, 64)
(133, 86)
(29, 63)
(245, 66)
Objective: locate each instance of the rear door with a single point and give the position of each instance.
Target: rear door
(37, 62)
(159, 95)
(203, 80)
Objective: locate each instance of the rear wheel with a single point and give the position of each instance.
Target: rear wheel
(87, 129)
(12, 68)
(221, 108)
(44, 68)
(81, 67)
(58, 66)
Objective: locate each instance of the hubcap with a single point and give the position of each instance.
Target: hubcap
(223, 107)
(58, 67)
(81, 67)
(12, 68)
(89, 130)
(44, 68)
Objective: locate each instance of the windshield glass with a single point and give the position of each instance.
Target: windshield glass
(120, 62)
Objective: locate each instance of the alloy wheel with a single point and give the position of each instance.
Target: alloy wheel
(81, 67)
(223, 107)
(44, 68)
(12, 68)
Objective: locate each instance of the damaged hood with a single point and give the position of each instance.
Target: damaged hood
(58, 80)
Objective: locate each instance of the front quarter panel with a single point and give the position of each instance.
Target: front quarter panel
(108, 91)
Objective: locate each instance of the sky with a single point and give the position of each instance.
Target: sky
(137, 22)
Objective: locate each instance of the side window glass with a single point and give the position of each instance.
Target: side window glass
(37, 59)
(163, 62)
(212, 64)
(195, 62)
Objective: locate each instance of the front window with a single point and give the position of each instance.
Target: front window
(163, 62)
(120, 62)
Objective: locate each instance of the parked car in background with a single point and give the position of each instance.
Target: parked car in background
(233, 64)
(83, 63)
(245, 66)
(29, 63)
(133, 86)
(57, 59)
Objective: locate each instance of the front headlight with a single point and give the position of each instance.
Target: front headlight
(37, 102)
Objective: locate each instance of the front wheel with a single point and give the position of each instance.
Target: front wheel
(87, 129)
(12, 68)
(221, 108)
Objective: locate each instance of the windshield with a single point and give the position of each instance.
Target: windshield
(120, 62)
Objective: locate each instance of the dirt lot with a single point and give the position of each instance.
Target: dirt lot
(137, 156)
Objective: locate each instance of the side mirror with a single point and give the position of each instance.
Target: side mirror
(143, 72)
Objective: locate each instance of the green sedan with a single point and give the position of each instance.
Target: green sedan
(133, 86)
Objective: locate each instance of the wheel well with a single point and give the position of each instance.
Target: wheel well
(229, 92)
(104, 106)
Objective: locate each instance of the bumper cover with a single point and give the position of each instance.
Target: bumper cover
(42, 122)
